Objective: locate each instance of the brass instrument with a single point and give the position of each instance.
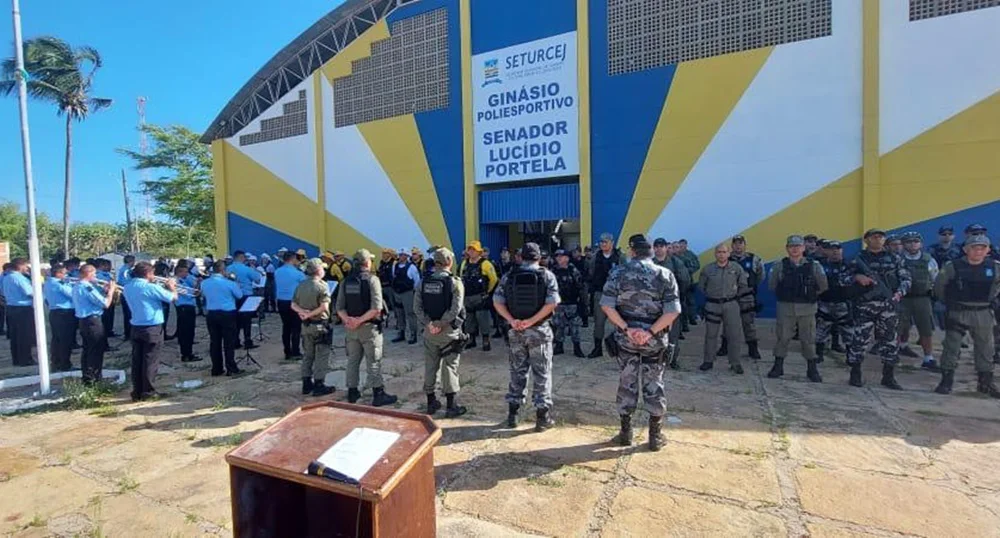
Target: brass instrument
(103, 283)
(181, 290)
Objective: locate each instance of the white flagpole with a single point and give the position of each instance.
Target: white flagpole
(29, 186)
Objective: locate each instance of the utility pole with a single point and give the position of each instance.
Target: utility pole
(133, 232)
(41, 341)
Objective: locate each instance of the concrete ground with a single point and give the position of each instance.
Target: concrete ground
(746, 455)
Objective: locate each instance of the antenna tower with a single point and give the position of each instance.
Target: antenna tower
(143, 147)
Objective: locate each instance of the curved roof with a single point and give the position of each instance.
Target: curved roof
(297, 61)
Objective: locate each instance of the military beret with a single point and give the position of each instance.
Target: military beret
(975, 229)
(874, 231)
(977, 240)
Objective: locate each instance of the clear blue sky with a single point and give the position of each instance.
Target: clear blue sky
(187, 57)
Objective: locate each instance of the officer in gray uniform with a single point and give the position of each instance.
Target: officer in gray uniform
(567, 316)
(526, 298)
(722, 282)
(440, 310)
(360, 308)
(798, 283)
(641, 300)
(967, 286)
(916, 308)
(752, 264)
(663, 257)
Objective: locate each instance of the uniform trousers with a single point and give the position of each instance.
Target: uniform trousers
(223, 336)
(244, 321)
(792, 319)
(406, 319)
(441, 355)
(917, 311)
(185, 329)
(126, 319)
(63, 324)
(718, 318)
(146, 343)
(365, 342)
(316, 360)
(95, 341)
(641, 370)
(876, 325)
(531, 350)
(291, 328)
(600, 318)
(477, 319)
(21, 320)
(979, 324)
(108, 319)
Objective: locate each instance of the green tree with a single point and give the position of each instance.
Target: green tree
(63, 76)
(14, 230)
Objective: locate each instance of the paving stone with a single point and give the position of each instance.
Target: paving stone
(563, 446)
(47, 492)
(467, 527)
(200, 488)
(828, 530)
(641, 512)
(14, 463)
(886, 454)
(720, 432)
(901, 505)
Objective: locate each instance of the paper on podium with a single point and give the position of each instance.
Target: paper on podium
(355, 454)
(251, 304)
(332, 287)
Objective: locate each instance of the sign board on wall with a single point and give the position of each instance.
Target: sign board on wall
(524, 105)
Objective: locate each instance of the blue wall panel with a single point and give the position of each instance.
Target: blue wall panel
(494, 237)
(253, 237)
(550, 202)
(501, 23)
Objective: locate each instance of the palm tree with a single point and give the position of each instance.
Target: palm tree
(62, 75)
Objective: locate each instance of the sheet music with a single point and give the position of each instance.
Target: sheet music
(251, 304)
(332, 287)
(354, 455)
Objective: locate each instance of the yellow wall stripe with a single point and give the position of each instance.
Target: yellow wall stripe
(471, 201)
(583, 83)
(397, 145)
(321, 212)
(701, 97)
(221, 204)
(361, 47)
(871, 193)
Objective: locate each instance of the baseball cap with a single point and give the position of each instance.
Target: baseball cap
(891, 237)
(638, 241)
(475, 245)
(531, 252)
(795, 240)
(362, 255)
(607, 237)
(823, 243)
(833, 245)
(910, 237)
(874, 231)
(443, 256)
(660, 242)
(739, 238)
(946, 229)
(978, 240)
(561, 252)
(810, 237)
(975, 229)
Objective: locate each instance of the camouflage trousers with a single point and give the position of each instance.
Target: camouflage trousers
(996, 334)
(831, 317)
(636, 372)
(531, 349)
(567, 319)
(875, 325)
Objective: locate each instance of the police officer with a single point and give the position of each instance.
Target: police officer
(945, 250)
(62, 318)
(526, 299)
(479, 278)
(754, 267)
(578, 260)
(894, 244)
(883, 281)
(641, 300)
(221, 318)
(916, 308)
(311, 303)
(798, 283)
(104, 274)
(567, 316)
(722, 282)
(246, 277)
(286, 280)
(833, 312)
(812, 250)
(405, 277)
(360, 307)
(968, 286)
(89, 304)
(384, 271)
(606, 259)
(690, 259)
(663, 257)
(440, 309)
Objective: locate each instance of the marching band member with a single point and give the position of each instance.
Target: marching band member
(286, 279)
(89, 305)
(246, 277)
(146, 299)
(221, 296)
(186, 311)
(59, 296)
(20, 318)
(124, 275)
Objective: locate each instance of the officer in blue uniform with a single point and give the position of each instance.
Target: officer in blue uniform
(221, 297)
(186, 311)
(122, 278)
(59, 297)
(286, 279)
(246, 277)
(146, 299)
(20, 316)
(89, 305)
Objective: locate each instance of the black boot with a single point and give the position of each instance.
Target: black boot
(835, 343)
(598, 351)
(736, 368)
(723, 349)
(624, 437)
(320, 388)
(947, 380)
(512, 415)
(754, 352)
(812, 373)
(433, 404)
(486, 343)
(578, 351)
(656, 437)
(986, 385)
(856, 380)
(497, 333)
(307, 385)
(399, 337)
(472, 343)
(778, 369)
(353, 395)
(543, 420)
(380, 397)
(453, 410)
(706, 366)
(820, 350)
(557, 348)
(889, 377)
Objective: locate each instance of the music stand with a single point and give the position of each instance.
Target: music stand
(250, 306)
(260, 319)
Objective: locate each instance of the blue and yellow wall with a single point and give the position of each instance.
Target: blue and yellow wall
(887, 122)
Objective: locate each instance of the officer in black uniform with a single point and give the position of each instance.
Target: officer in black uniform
(606, 259)
(385, 275)
(567, 316)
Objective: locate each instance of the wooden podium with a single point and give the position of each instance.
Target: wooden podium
(273, 497)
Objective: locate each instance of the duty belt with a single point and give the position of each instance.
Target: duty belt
(968, 308)
(720, 301)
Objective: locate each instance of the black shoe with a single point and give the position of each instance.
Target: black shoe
(986, 385)
(598, 350)
(624, 437)
(674, 365)
(681, 336)
(685, 330)
(353, 395)
(778, 369)
(471, 343)
(234, 372)
(191, 358)
(433, 404)
(820, 351)
(812, 373)
(856, 380)
(723, 349)
(455, 411)
(656, 437)
(907, 352)
(585, 323)
(754, 351)
(307, 385)
(320, 389)
(400, 338)
(543, 420)
(889, 377)
(557, 348)
(947, 380)
(692, 322)
(512, 415)
(737, 369)
(497, 333)
(706, 366)
(412, 341)
(486, 343)
(217, 374)
(578, 351)
(965, 346)
(380, 397)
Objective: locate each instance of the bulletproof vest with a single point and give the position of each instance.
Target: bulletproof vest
(385, 273)
(569, 289)
(943, 255)
(436, 295)
(921, 275)
(883, 269)
(473, 278)
(746, 262)
(971, 283)
(357, 295)
(401, 282)
(836, 293)
(525, 292)
(603, 267)
(428, 269)
(343, 269)
(798, 283)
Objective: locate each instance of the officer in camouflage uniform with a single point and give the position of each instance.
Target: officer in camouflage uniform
(722, 282)
(968, 286)
(833, 312)
(526, 298)
(883, 282)
(640, 299)
(662, 257)
(439, 307)
(692, 262)
(567, 317)
(894, 244)
(916, 308)
(752, 264)
(812, 251)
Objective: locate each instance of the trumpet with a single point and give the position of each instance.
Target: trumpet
(102, 283)
(181, 290)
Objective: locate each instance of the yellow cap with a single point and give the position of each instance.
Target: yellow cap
(476, 245)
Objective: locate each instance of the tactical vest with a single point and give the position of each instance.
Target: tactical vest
(428, 268)
(525, 292)
(798, 283)
(603, 267)
(836, 293)
(436, 295)
(746, 262)
(357, 296)
(385, 273)
(343, 269)
(921, 275)
(971, 283)
(474, 279)
(401, 282)
(883, 269)
(569, 288)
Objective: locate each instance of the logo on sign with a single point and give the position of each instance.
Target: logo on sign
(491, 72)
